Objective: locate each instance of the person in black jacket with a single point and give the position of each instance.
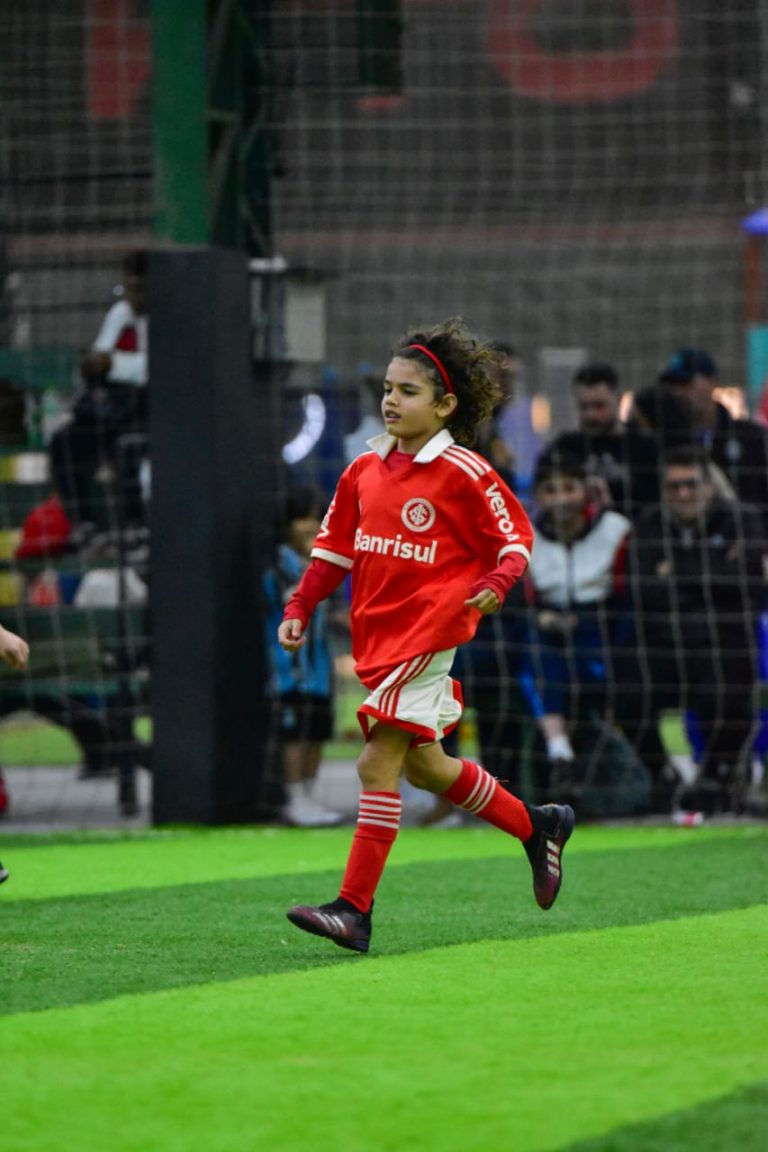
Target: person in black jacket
(738, 447)
(698, 583)
(620, 460)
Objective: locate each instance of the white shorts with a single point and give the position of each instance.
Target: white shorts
(418, 696)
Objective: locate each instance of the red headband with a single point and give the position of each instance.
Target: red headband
(438, 365)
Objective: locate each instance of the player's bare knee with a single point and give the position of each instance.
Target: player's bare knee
(377, 771)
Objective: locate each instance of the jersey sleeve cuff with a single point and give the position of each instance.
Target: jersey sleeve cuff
(519, 548)
(332, 557)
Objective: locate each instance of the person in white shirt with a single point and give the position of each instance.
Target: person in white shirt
(113, 402)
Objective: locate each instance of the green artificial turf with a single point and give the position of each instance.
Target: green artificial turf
(153, 996)
(737, 1121)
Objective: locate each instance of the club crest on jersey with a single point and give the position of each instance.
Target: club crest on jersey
(418, 514)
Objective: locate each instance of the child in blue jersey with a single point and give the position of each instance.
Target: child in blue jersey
(301, 683)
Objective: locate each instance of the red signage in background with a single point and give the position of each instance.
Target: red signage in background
(118, 58)
(581, 77)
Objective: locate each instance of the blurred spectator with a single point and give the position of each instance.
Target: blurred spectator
(13, 414)
(579, 612)
(509, 440)
(489, 664)
(14, 651)
(112, 403)
(698, 585)
(738, 447)
(494, 440)
(489, 670)
(667, 415)
(301, 683)
(371, 423)
(92, 727)
(664, 414)
(620, 461)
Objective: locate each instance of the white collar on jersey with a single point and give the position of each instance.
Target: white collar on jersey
(383, 444)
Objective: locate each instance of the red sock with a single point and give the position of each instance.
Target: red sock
(377, 826)
(476, 791)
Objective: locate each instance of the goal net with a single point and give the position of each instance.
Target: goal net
(570, 177)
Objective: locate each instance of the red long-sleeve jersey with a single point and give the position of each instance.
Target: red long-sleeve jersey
(415, 541)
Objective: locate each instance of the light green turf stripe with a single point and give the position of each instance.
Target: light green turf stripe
(163, 859)
(527, 1045)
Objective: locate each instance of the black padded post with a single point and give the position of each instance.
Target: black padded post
(212, 480)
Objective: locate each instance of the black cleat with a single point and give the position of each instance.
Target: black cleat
(553, 825)
(4, 873)
(339, 921)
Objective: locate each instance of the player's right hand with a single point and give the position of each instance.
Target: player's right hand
(13, 650)
(290, 635)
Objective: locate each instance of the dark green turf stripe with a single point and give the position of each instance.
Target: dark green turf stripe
(74, 950)
(738, 1122)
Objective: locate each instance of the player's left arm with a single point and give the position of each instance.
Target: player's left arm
(502, 531)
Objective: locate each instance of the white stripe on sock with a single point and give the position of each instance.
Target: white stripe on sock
(476, 789)
(379, 810)
(373, 801)
(382, 811)
(481, 794)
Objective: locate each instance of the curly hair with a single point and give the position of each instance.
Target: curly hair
(472, 366)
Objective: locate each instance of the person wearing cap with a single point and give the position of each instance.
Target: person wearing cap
(620, 461)
(667, 414)
(738, 447)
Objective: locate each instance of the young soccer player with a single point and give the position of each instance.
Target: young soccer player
(15, 653)
(433, 540)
